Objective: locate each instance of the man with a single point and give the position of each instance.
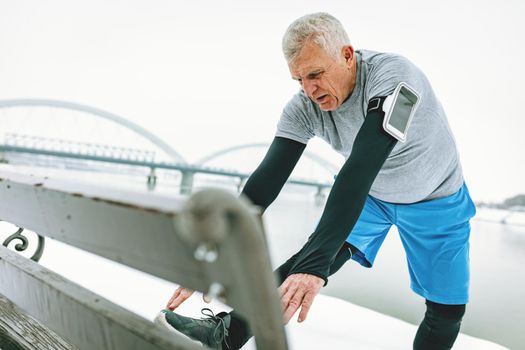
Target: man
(416, 185)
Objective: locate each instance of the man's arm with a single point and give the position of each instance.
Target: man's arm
(262, 188)
(311, 265)
(347, 197)
(268, 179)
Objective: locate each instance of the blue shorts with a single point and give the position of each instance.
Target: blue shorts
(435, 235)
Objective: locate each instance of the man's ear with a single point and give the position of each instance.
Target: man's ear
(348, 54)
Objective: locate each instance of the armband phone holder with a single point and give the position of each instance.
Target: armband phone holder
(399, 108)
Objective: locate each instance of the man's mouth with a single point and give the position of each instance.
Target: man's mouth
(321, 98)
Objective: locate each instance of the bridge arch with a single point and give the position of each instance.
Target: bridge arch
(174, 155)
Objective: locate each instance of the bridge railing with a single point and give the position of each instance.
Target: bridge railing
(187, 171)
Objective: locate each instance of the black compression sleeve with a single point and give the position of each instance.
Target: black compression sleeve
(371, 147)
(268, 179)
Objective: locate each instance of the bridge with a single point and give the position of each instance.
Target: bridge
(44, 151)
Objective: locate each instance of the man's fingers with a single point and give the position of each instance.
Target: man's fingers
(285, 298)
(175, 303)
(293, 306)
(175, 295)
(305, 306)
(283, 289)
(291, 302)
(179, 297)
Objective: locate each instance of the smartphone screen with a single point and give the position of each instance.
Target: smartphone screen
(402, 110)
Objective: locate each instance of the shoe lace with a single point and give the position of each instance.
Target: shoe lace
(220, 325)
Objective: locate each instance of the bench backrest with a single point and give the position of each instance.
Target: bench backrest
(211, 242)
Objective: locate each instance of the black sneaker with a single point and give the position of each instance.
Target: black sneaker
(210, 330)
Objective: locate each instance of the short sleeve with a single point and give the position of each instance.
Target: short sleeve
(391, 70)
(294, 123)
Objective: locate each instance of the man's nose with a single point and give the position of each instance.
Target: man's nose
(309, 86)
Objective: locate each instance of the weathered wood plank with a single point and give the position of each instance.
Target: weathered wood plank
(103, 221)
(18, 330)
(80, 316)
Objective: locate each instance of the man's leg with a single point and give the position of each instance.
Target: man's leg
(440, 327)
(435, 235)
(239, 331)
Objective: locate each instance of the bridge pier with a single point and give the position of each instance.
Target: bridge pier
(186, 183)
(152, 179)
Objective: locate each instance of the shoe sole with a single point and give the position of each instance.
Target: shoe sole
(160, 320)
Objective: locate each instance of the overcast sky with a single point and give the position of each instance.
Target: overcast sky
(205, 75)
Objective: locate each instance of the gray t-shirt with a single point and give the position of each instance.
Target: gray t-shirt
(425, 167)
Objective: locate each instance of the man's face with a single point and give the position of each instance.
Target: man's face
(325, 80)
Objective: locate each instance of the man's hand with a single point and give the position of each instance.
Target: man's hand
(180, 295)
(299, 290)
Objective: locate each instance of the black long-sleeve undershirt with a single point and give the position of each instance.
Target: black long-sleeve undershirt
(268, 179)
(371, 148)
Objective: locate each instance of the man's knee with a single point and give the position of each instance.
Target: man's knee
(444, 312)
(440, 327)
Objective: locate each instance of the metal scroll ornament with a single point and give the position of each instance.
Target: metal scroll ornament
(20, 247)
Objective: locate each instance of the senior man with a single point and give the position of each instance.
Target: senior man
(416, 184)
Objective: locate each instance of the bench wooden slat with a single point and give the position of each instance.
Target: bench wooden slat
(80, 316)
(138, 236)
(18, 330)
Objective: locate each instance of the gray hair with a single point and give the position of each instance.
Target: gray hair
(320, 28)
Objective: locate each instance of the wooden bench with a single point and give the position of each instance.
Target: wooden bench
(211, 242)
